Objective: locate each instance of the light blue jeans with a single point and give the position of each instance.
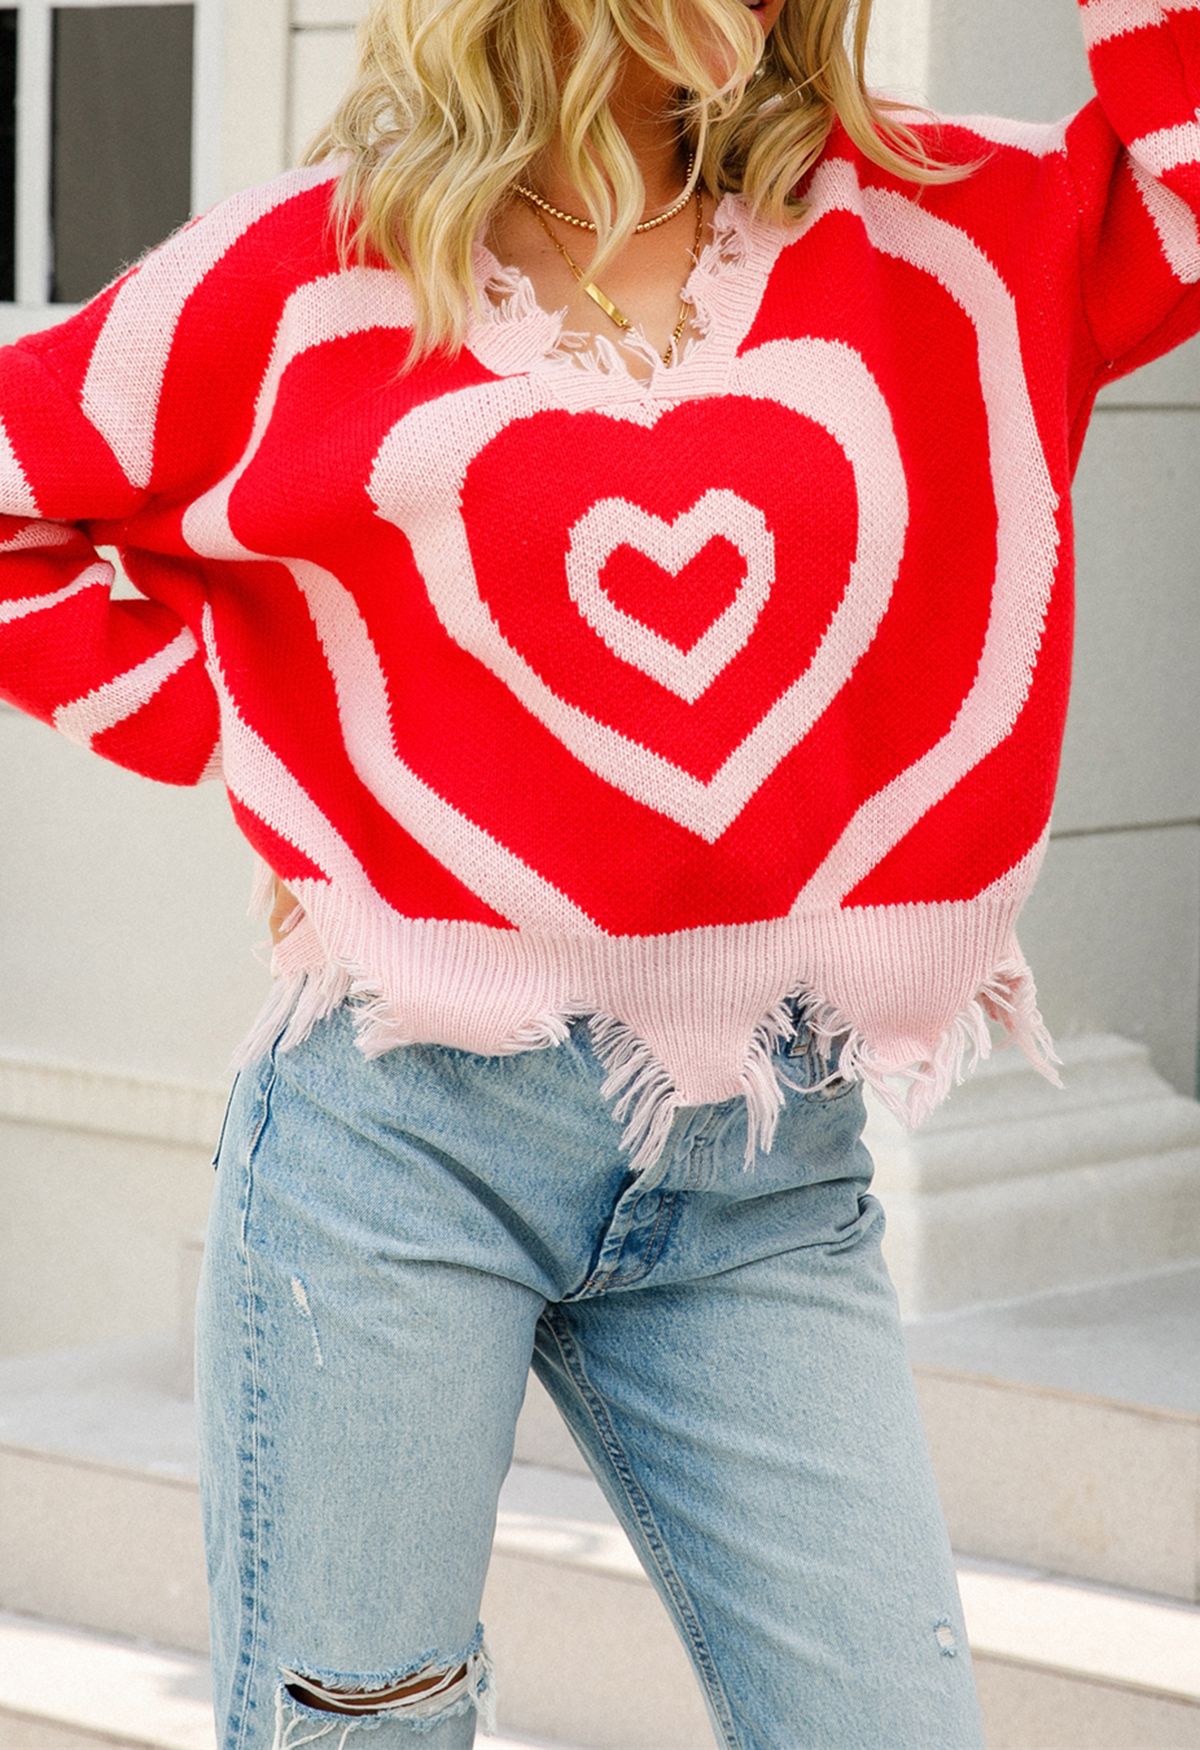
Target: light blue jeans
(393, 1243)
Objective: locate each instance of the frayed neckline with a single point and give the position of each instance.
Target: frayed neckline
(535, 335)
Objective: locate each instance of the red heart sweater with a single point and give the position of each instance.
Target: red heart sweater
(552, 692)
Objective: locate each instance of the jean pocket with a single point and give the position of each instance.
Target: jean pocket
(257, 1078)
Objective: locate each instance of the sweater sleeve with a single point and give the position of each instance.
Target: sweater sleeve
(122, 676)
(1133, 155)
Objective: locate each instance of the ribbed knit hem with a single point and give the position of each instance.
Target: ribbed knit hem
(679, 1019)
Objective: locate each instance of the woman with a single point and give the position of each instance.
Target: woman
(629, 607)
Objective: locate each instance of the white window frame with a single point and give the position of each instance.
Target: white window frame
(31, 308)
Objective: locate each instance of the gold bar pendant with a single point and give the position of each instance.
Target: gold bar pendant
(606, 304)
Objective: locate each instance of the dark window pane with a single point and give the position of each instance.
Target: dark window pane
(8, 152)
(122, 159)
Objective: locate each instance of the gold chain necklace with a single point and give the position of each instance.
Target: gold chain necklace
(587, 224)
(593, 291)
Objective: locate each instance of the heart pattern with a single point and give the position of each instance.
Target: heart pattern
(425, 460)
(448, 690)
(661, 735)
(612, 523)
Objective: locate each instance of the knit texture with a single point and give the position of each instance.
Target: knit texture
(552, 692)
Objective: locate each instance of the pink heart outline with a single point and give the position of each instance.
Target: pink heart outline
(615, 522)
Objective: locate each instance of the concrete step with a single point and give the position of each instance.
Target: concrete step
(1065, 1429)
(99, 1527)
(1071, 1186)
(64, 1688)
(79, 1268)
(1066, 1665)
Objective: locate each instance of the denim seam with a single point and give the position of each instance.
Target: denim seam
(664, 1204)
(665, 1218)
(600, 1277)
(644, 1518)
(253, 1492)
(250, 1505)
(264, 1104)
(701, 1158)
(702, 1172)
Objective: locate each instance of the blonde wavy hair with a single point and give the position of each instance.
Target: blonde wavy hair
(453, 100)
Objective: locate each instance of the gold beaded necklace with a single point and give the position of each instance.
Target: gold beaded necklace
(593, 291)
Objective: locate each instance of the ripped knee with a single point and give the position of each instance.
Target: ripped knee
(361, 1701)
(431, 1688)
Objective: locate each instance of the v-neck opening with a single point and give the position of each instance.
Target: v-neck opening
(722, 291)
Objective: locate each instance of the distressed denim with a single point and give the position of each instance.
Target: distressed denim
(393, 1243)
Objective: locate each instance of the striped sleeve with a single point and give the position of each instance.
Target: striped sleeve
(122, 676)
(1133, 153)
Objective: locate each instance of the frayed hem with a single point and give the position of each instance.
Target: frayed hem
(299, 999)
(309, 982)
(497, 994)
(1008, 996)
(377, 1028)
(642, 1089)
(635, 1070)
